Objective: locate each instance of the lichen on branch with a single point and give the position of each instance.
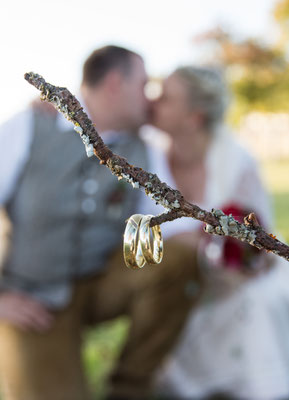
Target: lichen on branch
(172, 200)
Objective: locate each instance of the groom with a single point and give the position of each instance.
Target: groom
(64, 270)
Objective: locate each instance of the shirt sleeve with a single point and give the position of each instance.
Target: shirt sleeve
(15, 141)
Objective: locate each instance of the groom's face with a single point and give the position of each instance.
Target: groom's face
(133, 102)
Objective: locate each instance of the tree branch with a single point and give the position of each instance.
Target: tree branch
(172, 200)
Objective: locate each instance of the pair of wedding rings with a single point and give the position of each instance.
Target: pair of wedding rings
(137, 248)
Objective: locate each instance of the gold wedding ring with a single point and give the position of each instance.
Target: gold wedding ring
(132, 252)
(151, 256)
(137, 249)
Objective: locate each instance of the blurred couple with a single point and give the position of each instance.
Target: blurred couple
(210, 319)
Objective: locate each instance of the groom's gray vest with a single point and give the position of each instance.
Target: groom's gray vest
(68, 212)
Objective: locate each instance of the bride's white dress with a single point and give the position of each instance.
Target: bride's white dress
(237, 339)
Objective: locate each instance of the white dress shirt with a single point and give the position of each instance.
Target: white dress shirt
(15, 141)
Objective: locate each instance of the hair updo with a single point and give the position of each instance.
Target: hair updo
(207, 92)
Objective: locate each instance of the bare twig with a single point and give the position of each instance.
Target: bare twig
(172, 200)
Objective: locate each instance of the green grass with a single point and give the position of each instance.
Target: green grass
(102, 347)
(281, 207)
(276, 177)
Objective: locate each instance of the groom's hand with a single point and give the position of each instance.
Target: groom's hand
(24, 312)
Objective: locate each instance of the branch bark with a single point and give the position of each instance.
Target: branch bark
(172, 200)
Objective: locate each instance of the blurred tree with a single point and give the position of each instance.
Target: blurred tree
(258, 73)
(281, 14)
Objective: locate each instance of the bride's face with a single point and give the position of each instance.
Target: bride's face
(170, 112)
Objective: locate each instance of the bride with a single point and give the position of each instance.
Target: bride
(235, 341)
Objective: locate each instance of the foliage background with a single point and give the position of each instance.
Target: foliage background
(258, 72)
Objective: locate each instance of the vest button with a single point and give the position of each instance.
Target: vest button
(90, 186)
(88, 206)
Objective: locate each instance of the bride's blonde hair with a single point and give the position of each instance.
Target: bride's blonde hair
(207, 92)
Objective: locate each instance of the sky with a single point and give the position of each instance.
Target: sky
(53, 38)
